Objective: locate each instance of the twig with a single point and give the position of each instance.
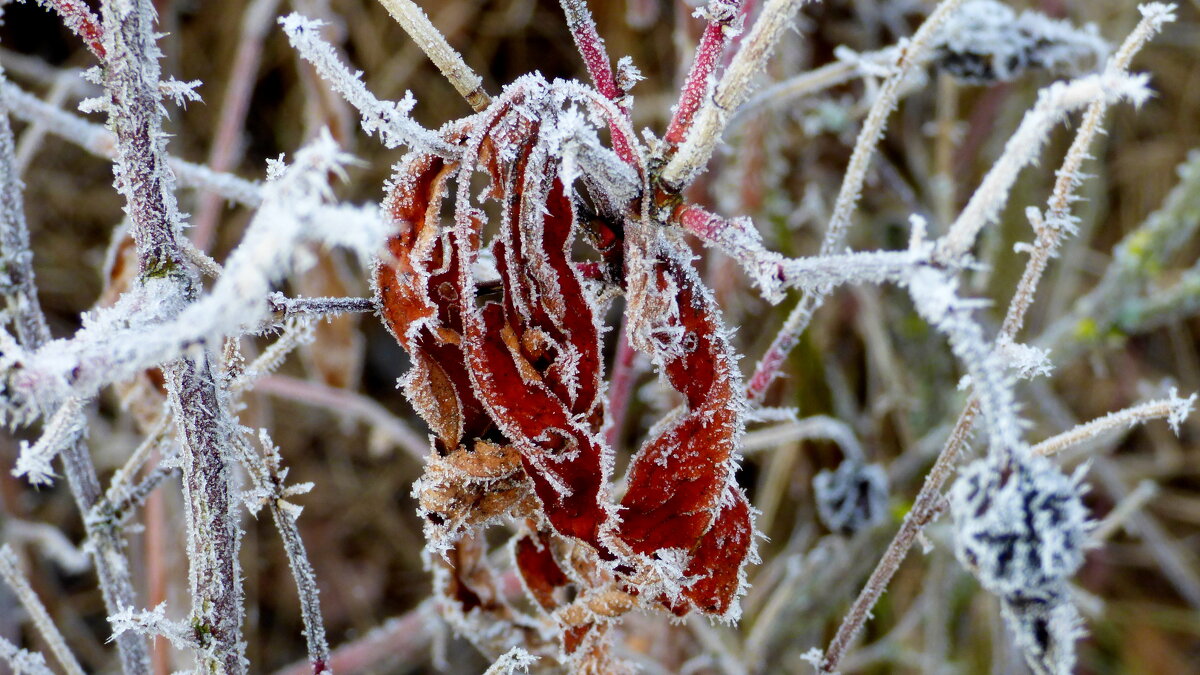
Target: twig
(397, 640)
(98, 141)
(79, 18)
(23, 661)
(907, 59)
(17, 259)
(11, 573)
(1124, 510)
(929, 499)
(1173, 409)
(226, 146)
(389, 118)
(730, 92)
(591, 47)
(620, 388)
(132, 77)
(112, 567)
(348, 403)
(721, 15)
(817, 426)
(418, 26)
(269, 475)
(31, 140)
(317, 307)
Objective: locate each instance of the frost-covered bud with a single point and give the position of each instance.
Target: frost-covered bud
(1046, 631)
(1020, 526)
(851, 498)
(985, 41)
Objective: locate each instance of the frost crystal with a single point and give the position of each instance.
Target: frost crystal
(853, 497)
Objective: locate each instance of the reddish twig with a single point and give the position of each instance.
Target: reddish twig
(721, 15)
(226, 148)
(591, 47)
(398, 640)
(621, 387)
(79, 18)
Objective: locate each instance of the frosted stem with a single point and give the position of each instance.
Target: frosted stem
(132, 77)
(389, 118)
(342, 402)
(107, 545)
(735, 85)
(907, 58)
(78, 17)
(591, 47)
(928, 501)
(1173, 409)
(1022, 148)
(16, 259)
(418, 26)
(23, 661)
(721, 15)
(100, 142)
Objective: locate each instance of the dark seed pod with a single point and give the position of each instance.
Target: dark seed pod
(851, 498)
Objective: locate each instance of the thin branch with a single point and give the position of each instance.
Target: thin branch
(397, 640)
(23, 661)
(11, 573)
(721, 15)
(929, 500)
(226, 145)
(1053, 103)
(343, 402)
(418, 26)
(620, 389)
(107, 547)
(591, 47)
(1173, 409)
(816, 426)
(1124, 511)
(733, 89)
(269, 475)
(286, 307)
(78, 17)
(389, 118)
(908, 58)
(132, 79)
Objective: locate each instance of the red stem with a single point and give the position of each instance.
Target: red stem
(591, 47)
(708, 53)
(79, 18)
(621, 389)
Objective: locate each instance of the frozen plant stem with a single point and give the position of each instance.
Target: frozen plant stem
(733, 89)
(1172, 409)
(418, 26)
(107, 545)
(721, 16)
(131, 77)
(98, 141)
(79, 18)
(591, 47)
